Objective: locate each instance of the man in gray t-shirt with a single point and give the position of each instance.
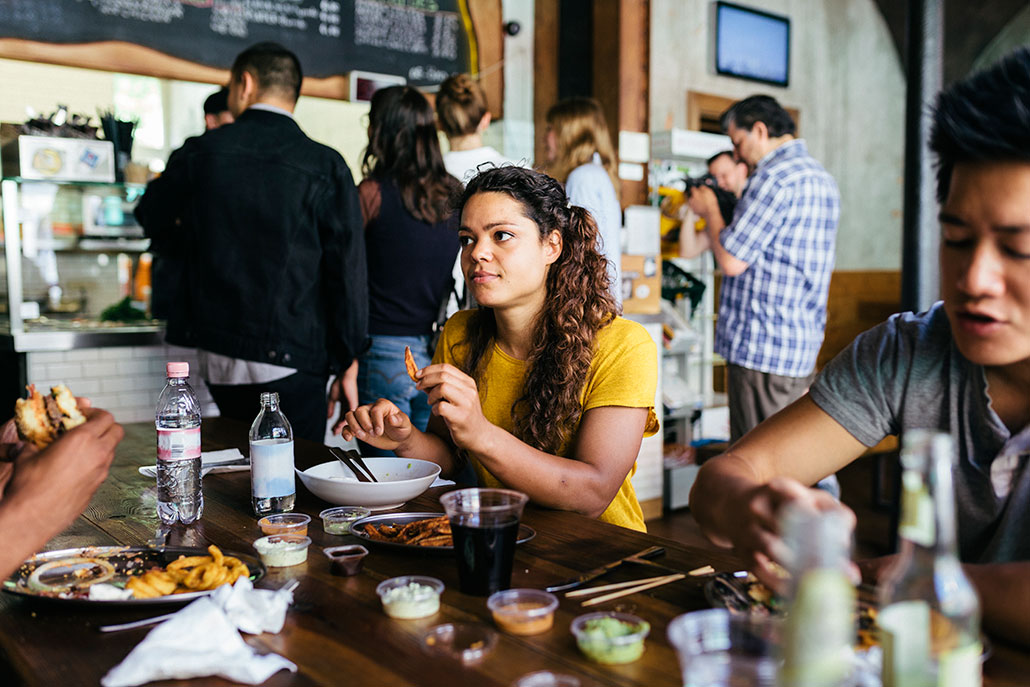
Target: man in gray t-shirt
(961, 367)
(908, 373)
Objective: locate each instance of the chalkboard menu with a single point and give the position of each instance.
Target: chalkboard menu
(422, 40)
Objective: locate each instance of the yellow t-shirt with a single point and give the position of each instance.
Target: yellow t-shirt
(624, 372)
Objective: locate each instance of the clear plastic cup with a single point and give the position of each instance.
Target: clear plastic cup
(717, 648)
(285, 523)
(338, 520)
(485, 527)
(523, 611)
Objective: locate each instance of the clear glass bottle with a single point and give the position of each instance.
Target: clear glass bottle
(180, 497)
(929, 612)
(819, 630)
(273, 486)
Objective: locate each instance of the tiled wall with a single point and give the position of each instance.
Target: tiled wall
(125, 380)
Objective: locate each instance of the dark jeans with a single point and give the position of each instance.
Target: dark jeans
(302, 400)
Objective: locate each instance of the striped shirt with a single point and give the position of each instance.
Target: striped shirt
(772, 316)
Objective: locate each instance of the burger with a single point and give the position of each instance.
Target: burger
(41, 419)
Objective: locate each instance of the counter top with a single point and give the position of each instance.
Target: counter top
(60, 335)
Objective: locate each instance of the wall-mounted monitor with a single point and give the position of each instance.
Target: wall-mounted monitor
(752, 44)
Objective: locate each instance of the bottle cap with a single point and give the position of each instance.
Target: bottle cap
(177, 369)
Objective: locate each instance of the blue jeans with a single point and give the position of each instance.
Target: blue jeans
(381, 374)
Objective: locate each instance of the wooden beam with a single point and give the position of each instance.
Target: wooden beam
(545, 70)
(634, 74)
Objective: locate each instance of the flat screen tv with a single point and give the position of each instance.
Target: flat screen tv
(751, 44)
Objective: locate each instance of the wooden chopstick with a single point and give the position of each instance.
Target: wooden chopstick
(633, 590)
(616, 585)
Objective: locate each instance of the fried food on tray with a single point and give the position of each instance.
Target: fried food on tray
(409, 364)
(428, 532)
(41, 419)
(189, 574)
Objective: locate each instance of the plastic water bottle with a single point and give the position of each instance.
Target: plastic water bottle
(273, 486)
(179, 494)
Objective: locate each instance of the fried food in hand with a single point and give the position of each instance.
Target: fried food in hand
(41, 419)
(409, 364)
(428, 532)
(189, 574)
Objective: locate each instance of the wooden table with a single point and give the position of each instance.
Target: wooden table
(336, 631)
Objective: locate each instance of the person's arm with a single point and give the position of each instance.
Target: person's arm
(344, 269)
(161, 208)
(702, 200)
(604, 450)
(736, 496)
(1003, 588)
(51, 488)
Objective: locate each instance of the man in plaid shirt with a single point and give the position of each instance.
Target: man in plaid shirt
(776, 257)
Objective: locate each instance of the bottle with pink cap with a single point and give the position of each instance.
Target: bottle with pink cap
(179, 494)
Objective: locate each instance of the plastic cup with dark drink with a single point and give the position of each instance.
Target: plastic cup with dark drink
(484, 526)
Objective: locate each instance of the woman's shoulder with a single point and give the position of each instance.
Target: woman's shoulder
(622, 335)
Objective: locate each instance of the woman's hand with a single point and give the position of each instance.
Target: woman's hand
(454, 397)
(381, 424)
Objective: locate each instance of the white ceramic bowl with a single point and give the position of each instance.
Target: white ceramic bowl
(400, 480)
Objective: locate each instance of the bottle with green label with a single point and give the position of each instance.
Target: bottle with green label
(819, 630)
(929, 613)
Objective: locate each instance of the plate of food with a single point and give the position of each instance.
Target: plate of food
(741, 592)
(130, 575)
(427, 532)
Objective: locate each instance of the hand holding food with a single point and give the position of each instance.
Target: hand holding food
(41, 419)
(454, 396)
(189, 574)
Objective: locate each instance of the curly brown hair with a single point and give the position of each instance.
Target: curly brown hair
(579, 304)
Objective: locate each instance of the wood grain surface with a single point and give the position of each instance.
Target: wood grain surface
(336, 631)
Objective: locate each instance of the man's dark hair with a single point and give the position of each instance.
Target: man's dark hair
(984, 117)
(217, 102)
(758, 108)
(727, 153)
(274, 67)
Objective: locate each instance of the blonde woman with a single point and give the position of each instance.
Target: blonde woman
(581, 156)
(463, 115)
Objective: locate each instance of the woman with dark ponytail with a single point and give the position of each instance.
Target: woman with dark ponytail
(543, 388)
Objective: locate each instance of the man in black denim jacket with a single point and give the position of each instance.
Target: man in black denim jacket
(267, 226)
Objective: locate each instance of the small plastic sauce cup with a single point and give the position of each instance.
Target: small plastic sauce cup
(282, 550)
(523, 611)
(338, 520)
(410, 596)
(596, 640)
(345, 560)
(285, 523)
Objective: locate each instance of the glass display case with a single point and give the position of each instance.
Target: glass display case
(73, 249)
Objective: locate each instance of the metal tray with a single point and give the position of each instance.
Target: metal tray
(358, 530)
(127, 561)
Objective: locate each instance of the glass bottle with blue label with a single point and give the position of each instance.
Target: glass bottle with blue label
(273, 487)
(929, 612)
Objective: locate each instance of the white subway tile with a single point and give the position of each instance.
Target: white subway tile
(65, 371)
(83, 355)
(132, 367)
(115, 353)
(46, 357)
(116, 384)
(102, 369)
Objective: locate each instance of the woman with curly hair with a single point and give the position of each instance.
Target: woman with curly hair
(581, 156)
(543, 388)
(411, 244)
